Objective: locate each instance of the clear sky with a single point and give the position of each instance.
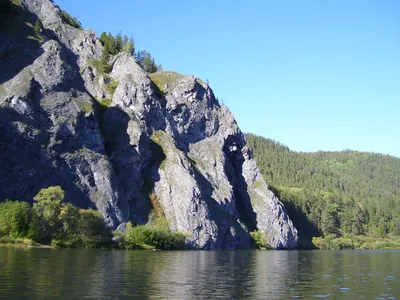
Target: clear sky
(313, 75)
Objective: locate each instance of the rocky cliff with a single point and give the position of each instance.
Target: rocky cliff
(133, 146)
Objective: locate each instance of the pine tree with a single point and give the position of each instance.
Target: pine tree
(129, 48)
(153, 66)
(111, 47)
(328, 223)
(118, 42)
(125, 40)
(103, 38)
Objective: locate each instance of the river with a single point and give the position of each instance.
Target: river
(36, 273)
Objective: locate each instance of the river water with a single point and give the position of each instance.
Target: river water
(35, 273)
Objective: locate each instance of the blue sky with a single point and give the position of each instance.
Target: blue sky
(313, 75)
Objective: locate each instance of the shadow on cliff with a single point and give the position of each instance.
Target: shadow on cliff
(135, 163)
(32, 145)
(26, 166)
(218, 212)
(306, 230)
(234, 170)
(222, 218)
(19, 44)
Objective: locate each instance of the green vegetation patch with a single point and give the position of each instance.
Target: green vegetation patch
(158, 236)
(165, 142)
(101, 66)
(38, 38)
(84, 105)
(52, 221)
(258, 184)
(165, 80)
(14, 219)
(68, 19)
(260, 238)
(332, 193)
(112, 86)
(8, 240)
(349, 241)
(105, 102)
(2, 91)
(162, 139)
(17, 2)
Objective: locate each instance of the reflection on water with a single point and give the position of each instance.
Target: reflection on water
(97, 274)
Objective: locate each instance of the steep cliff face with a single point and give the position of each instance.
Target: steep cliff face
(165, 149)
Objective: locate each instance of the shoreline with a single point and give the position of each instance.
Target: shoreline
(26, 246)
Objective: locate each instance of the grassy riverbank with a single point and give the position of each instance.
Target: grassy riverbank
(18, 242)
(350, 241)
(52, 222)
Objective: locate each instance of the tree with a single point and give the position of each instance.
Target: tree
(92, 224)
(118, 42)
(363, 186)
(153, 66)
(124, 39)
(46, 213)
(329, 222)
(50, 194)
(14, 218)
(105, 57)
(129, 48)
(110, 44)
(103, 38)
(146, 61)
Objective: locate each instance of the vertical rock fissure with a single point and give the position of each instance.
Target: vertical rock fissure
(233, 169)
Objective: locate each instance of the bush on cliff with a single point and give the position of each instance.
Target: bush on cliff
(158, 236)
(260, 239)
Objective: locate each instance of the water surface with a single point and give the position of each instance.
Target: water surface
(111, 274)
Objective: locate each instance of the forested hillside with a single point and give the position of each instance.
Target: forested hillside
(333, 192)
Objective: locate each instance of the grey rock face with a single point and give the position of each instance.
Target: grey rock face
(49, 132)
(168, 151)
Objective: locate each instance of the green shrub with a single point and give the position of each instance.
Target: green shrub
(93, 230)
(102, 66)
(21, 241)
(105, 102)
(158, 236)
(318, 242)
(84, 105)
(52, 221)
(112, 86)
(46, 222)
(14, 218)
(7, 240)
(260, 239)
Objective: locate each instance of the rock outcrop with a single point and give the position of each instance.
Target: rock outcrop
(164, 149)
